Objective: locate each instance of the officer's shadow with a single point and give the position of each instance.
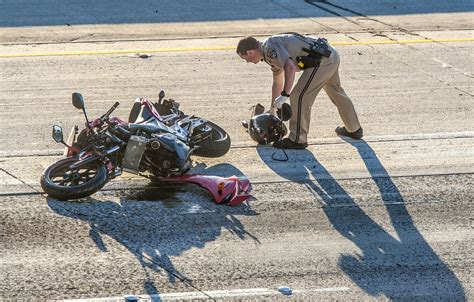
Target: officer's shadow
(382, 255)
(162, 223)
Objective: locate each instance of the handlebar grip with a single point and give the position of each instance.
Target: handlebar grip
(106, 115)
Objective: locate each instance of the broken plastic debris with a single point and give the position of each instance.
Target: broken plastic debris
(228, 190)
(143, 55)
(285, 290)
(131, 298)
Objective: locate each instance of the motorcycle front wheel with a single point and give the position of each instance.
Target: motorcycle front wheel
(216, 145)
(62, 182)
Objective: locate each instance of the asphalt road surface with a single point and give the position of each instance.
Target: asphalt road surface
(385, 218)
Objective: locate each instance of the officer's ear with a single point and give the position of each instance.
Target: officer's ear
(250, 52)
(245, 53)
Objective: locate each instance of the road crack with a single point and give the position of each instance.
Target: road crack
(23, 182)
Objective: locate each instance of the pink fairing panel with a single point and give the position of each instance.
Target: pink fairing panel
(226, 190)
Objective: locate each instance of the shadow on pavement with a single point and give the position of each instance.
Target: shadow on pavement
(40, 13)
(156, 230)
(386, 265)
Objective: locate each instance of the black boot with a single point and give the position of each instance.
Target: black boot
(287, 143)
(355, 135)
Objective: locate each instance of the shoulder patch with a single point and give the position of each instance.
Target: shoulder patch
(271, 53)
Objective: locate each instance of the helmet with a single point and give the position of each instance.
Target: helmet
(285, 112)
(266, 128)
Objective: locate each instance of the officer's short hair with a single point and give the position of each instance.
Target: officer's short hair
(247, 43)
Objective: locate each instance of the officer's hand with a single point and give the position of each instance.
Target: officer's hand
(279, 101)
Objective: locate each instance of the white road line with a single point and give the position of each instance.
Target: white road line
(319, 141)
(217, 294)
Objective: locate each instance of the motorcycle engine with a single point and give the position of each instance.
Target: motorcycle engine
(166, 155)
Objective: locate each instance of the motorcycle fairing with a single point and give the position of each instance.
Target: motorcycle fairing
(226, 190)
(171, 143)
(145, 117)
(143, 111)
(151, 126)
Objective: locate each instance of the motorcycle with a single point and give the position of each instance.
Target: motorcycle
(157, 143)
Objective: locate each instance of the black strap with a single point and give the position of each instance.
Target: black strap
(299, 36)
(284, 152)
(279, 159)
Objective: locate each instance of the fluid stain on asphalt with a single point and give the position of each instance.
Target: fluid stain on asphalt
(165, 194)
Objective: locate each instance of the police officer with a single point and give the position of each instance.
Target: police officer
(291, 53)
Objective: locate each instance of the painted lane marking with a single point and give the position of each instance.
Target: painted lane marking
(217, 294)
(215, 48)
(314, 142)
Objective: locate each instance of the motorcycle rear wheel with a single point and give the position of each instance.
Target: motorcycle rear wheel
(216, 145)
(62, 183)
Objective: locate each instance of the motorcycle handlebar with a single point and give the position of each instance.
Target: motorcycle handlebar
(106, 115)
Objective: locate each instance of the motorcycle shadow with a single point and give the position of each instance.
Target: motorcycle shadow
(155, 228)
(223, 170)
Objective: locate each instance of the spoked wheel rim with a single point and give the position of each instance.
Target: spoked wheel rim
(63, 176)
(215, 134)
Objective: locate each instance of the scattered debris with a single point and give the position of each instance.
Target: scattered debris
(285, 290)
(143, 55)
(359, 53)
(131, 298)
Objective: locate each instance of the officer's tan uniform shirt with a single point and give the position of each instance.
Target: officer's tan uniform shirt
(276, 51)
(279, 48)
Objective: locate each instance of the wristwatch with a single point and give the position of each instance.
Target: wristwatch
(283, 93)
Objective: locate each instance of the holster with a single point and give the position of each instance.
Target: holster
(307, 61)
(319, 48)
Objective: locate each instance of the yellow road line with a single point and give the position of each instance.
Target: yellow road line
(183, 49)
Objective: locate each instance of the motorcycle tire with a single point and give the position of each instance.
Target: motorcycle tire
(60, 182)
(216, 145)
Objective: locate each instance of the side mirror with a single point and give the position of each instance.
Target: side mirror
(77, 100)
(58, 134)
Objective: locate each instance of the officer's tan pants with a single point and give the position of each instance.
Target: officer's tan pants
(307, 88)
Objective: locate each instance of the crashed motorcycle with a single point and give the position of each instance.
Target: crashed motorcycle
(157, 142)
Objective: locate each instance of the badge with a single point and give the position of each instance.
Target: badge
(271, 53)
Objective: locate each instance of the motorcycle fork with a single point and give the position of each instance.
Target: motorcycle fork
(93, 157)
